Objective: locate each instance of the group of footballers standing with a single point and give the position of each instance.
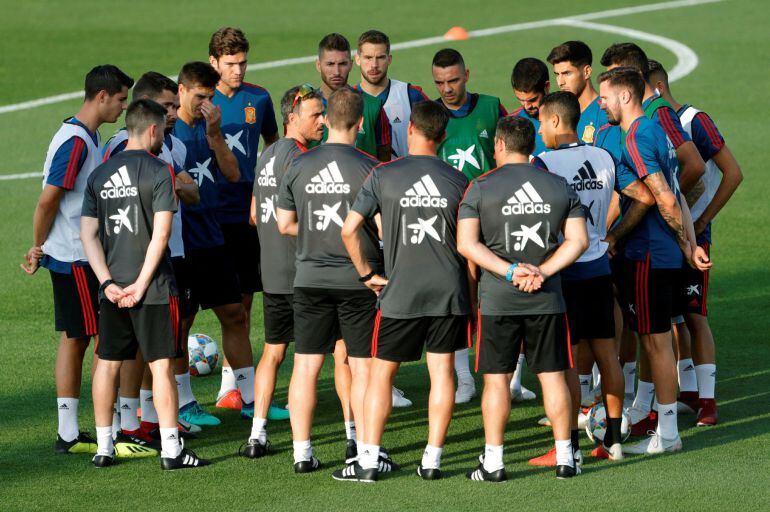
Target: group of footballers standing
(380, 225)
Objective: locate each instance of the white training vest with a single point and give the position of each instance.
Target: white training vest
(589, 171)
(710, 179)
(398, 109)
(176, 154)
(63, 241)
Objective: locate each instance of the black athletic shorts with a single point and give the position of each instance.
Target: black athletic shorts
(182, 278)
(278, 314)
(590, 308)
(153, 328)
(213, 281)
(695, 287)
(617, 267)
(401, 340)
(76, 302)
(242, 243)
(320, 312)
(649, 296)
(546, 341)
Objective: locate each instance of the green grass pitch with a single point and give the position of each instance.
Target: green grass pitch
(47, 48)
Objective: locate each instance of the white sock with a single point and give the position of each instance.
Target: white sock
(170, 447)
(516, 380)
(493, 458)
(596, 375)
(228, 382)
(431, 457)
(115, 420)
(707, 380)
(687, 379)
(258, 430)
(645, 393)
(104, 444)
(462, 365)
(564, 455)
(244, 379)
(68, 418)
(629, 373)
(129, 418)
(585, 386)
(350, 430)
(667, 426)
(302, 451)
(149, 414)
(184, 389)
(368, 457)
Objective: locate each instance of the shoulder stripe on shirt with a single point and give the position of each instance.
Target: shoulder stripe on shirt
(73, 164)
(248, 84)
(667, 122)
(633, 150)
(711, 129)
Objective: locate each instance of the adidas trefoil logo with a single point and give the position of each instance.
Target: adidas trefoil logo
(119, 185)
(423, 193)
(267, 176)
(524, 201)
(586, 179)
(328, 181)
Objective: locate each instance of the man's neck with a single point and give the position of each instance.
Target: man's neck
(587, 96)
(185, 117)
(294, 134)
(342, 136)
(674, 104)
(630, 116)
(226, 89)
(566, 138)
(649, 92)
(515, 158)
(372, 89)
(422, 147)
(465, 99)
(89, 117)
(135, 144)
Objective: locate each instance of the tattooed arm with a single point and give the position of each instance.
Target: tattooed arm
(642, 201)
(669, 208)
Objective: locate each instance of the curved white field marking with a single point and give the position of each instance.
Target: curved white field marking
(686, 58)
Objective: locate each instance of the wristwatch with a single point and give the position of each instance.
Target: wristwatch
(368, 276)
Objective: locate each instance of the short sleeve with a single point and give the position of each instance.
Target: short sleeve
(269, 126)
(163, 194)
(623, 176)
(110, 152)
(367, 202)
(67, 162)
(471, 203)
(670, 123)
(285, 194)
(706, 136)
(416, 95)
(89, 201)
(640, 147)
(575, 207)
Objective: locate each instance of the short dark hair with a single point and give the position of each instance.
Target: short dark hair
(152, 84)
(228, 41)
(517, 133)
(656, 68)
(565, 105)
(198, 74)
(529, 75)
(288, 105)
(430, 119)
(106, 78)
(344, 108)
(626, 55)
(374, 37)
(142, 113)
(625, 76)
(333, 42)
(447, 57)
(576, 53)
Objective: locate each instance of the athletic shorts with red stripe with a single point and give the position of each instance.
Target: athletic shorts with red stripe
(402, 339)
(547, 345)
(695, 287)
(153, 328)
(590, 308)
(649, 296)
(76, 302)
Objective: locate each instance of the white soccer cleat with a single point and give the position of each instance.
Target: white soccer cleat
(654, 445)
(399, 400)
(466, 390)
(522, 395)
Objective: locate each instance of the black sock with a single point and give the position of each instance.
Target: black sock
(575, 439)
(612, 434)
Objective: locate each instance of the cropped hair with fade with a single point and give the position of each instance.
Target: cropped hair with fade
(333, 42)
(626, 55)
(289, 105)
(198, 74)
(344, 108)
(106, 78)
(447, 57)
(625, 76)
(529, 75)
(656, 68)
(374, 37)
(576, 53)
(430, 119)
(565, 105)
(152, 84)
(517, 133)
(142, 113)
(228, 41)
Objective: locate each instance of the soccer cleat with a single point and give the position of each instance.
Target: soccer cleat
(103, 461)
(355, 473)
(351, 451)
(654, 445)
(707, 414)
(153, 430)
(139, 434)
(564, 472)
(544, 421)
(185, 460)
(481, 475)
(466, 390)
(230, 400)
(615, 452)
(522, 395)
(644, 425)
(83, 443)
(429, 473)
(187, 428)
(254, 449)
(687, 402)
(275, 413)
(307, 466)
(130, 447)
(385, 464)
(546, 460)
(399, 400)
(247, 411)
(195, 414)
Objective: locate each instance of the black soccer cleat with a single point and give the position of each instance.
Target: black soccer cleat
(185, 460)
(307, 466)
(565, 471)
(103, 461)
(253, 449)
(385, 464)
(83, 443)
(351, 451)
(429, 473)
(355, 473)
(481, 475)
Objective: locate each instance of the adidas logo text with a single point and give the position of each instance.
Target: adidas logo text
(328, 181)
(118, 186)
(586, 179)
(423, 193)
(524, 201)
(267, 176)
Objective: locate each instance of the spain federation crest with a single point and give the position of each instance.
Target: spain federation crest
(588, 134)
(251, 114)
